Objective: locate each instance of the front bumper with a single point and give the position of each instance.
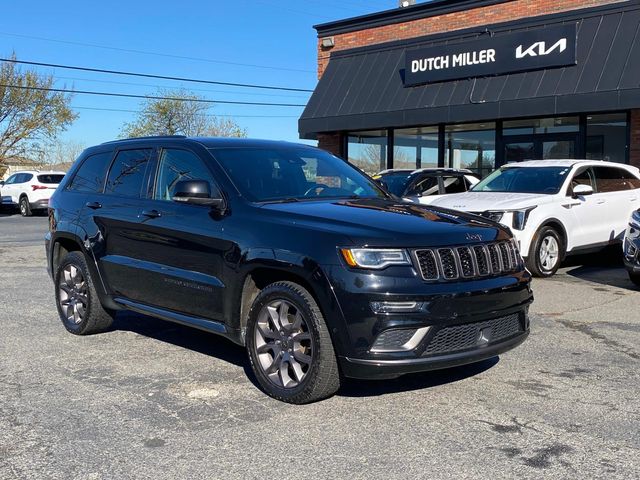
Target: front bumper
(386, 369)
(464, 321)
(631, 248)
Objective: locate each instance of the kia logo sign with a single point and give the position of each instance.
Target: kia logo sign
(537, 49)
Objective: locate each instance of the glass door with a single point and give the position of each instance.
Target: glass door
(519, 148)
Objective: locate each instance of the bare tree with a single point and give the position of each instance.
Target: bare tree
(30, 114)
(180, 113)
(62, 154)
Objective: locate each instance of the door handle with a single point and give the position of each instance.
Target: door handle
(600, 202)
(151, 213)
(93, 205)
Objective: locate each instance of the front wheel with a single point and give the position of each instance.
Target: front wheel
(289, 345)
(546, 253)
(25, 208)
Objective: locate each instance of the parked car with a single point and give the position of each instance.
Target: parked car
(631, 247)
(29, 190)
(284, 249)
(426, 184)
(555, 207)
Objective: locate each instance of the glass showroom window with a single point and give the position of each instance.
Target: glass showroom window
(415, 148)
(471, 146)
(537, 126)
(607, 137)
(368, 150)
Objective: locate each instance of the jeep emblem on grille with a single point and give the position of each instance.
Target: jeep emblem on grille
(474, 236)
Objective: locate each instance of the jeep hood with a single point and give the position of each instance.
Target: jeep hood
(378, 222)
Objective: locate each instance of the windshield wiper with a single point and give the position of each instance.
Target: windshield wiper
(281, 200)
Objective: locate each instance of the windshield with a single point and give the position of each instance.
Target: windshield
(396, 183)
(290, 174)
(544, 180)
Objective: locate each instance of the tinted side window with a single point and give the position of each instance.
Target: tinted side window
(176, 166)
(91, 174)
(425, 187)
(128, 172)
(585, 177)
(631, 181)
(454, 184)
(609, 179)
(11, 179)
(26, 177)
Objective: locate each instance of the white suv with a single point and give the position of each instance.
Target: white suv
(29, 190)
(555, 207)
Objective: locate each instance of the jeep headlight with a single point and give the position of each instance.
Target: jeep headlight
(375, 258)
(519, 220)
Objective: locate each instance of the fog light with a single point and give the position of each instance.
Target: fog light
(385, 308)
(399, 339)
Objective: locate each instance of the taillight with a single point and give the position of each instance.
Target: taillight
(38, 187)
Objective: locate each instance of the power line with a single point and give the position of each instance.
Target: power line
(150, 97)
(206, 114)
(113, 82)
(158, 54)
(148, 75)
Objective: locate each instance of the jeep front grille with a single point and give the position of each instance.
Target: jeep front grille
(467, 262)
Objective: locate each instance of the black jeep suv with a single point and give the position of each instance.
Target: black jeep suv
(284, 249)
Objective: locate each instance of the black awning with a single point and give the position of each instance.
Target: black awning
(363, 88)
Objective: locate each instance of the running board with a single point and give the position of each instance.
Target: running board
(189, 321)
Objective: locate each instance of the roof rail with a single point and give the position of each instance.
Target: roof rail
(150, 137)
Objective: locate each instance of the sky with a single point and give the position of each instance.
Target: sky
(267, 42)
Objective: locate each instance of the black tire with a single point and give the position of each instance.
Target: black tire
(25, 208)
(542, 238)
(95, 318)
(321, 378)
(635, 278)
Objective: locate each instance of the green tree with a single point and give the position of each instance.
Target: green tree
(180, 112)
(31, 116)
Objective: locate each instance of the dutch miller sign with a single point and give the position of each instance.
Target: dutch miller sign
(509, 53)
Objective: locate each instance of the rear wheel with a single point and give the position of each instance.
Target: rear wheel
(25, 208)
(546, 253)
(289, 345)
(78, 304)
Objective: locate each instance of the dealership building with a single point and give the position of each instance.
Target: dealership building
(477, 84)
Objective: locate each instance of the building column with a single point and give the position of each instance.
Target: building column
(634, 145)
(332, 143)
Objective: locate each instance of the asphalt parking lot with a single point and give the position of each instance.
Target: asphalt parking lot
(156, 400)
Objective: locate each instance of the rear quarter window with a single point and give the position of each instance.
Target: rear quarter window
(91, 175)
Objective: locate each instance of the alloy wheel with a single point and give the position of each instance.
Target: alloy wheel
(549, 252)
(283, 344)
(73, 294)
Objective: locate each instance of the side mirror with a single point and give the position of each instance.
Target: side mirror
(582, 190)
(196, 192)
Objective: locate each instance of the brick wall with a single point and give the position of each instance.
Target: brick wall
(331, 142)
(634, 148)
(502, 12)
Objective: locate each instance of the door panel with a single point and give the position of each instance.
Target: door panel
(182, 246)
(588, 213)
(180, 259)
(118, 244)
